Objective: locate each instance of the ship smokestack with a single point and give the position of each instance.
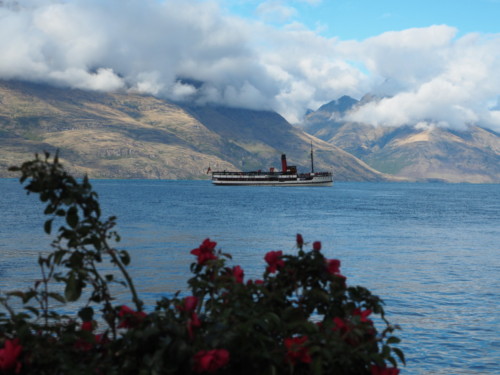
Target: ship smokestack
(283, 163)
(312, 159)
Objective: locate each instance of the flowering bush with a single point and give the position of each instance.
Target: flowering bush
(300, 318)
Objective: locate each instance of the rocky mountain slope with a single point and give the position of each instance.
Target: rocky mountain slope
(422, 154)
(134, 136)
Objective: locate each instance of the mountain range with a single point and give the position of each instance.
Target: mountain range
(122, 135)
(427, 153)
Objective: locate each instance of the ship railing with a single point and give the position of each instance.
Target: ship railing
(256, 173)
(260, 173)
(321, 173)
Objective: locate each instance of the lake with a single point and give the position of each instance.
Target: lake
(431, 251)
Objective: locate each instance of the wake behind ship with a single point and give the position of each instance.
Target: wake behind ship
(287, 177)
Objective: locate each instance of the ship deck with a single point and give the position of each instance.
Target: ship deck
(272, 179)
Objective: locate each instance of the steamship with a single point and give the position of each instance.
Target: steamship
(288, 176)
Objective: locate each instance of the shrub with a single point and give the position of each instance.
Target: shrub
(300, 318)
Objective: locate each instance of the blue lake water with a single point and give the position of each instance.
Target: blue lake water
(431, 251)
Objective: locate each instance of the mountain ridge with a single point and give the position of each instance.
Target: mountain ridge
(120, 135)
(428, 153)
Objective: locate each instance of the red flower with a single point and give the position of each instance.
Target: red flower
(238, 274)
(296, 350)
(317, 245)
(256, 282)
(193, 323)
(333, 266)
(363, 314)
(87, 326)
(9, 355)
(88, 344)
(376, 370)
(273, 258)
(210, 360)
(189, 304)
(129, 318)
(205, 252)
(341, 325)
(300, 241)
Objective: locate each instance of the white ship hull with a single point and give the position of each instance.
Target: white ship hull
(275, 179)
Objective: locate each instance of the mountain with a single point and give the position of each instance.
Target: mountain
(119, 135)
(420, 154)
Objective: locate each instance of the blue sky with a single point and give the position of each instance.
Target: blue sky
(361, 19)
(429, 63)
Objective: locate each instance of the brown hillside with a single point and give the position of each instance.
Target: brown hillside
(133, 136)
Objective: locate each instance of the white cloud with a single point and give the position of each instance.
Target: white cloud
(195, 50)
(150, 83)
(309, 2)
(431, 76)
(104, 79)
(275, 10)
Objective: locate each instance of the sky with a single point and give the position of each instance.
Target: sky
(428, 63)
(361, 19)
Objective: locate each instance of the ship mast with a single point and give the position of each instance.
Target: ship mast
(312, 159)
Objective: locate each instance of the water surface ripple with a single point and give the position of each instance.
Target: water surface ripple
(431, 251)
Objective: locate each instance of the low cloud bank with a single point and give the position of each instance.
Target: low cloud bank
(195, 50)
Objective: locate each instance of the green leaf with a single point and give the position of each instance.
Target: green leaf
(57, 297)
(97, 243)
(124, 257)
(393, 340)
(76, 260)
(34, 310)
(16, 293)
(72, 217)
(22, 316)
(400, 354)
(28, 295)
(58, 256)
(273, 319)
(48, 226)
(86, 314)
(393, 361)
(73, 288)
